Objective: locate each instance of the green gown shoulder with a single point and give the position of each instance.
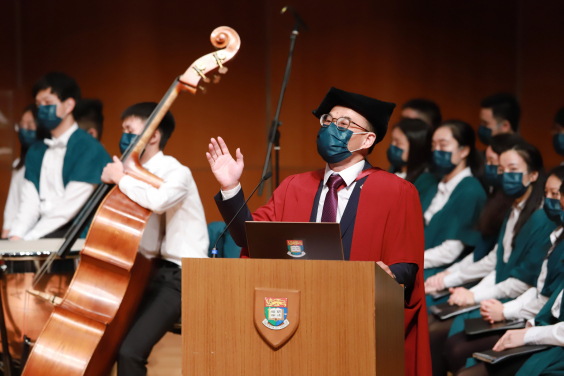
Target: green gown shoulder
(425, 182)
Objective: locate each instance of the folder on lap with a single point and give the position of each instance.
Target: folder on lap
(494, 357)
(481, 326)
(441, 294)
(445, 311)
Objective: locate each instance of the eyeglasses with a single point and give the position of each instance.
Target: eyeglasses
(342, 123)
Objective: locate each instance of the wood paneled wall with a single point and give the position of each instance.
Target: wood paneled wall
(126, 52)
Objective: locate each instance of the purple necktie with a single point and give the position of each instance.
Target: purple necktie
(330, 206)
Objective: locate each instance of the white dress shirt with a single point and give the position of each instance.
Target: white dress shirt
(349, 175)
(529, 304)
(402, 175)
(177, 228)
(550, 334)
(450, 249)
(54, 205)
(485, 268)
(14, 195)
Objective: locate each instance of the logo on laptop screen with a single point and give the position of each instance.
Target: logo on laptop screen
(296, 248)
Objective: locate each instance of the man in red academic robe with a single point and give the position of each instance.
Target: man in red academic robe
(379, 213)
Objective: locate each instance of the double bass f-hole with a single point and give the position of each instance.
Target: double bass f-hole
(86, 327)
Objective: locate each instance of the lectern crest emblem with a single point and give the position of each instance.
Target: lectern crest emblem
(295, 248)
(276, 315)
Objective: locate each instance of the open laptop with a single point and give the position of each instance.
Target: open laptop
(294, 240)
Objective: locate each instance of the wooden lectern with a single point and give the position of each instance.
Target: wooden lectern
(349, 317)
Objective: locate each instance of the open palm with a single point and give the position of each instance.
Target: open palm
(226, 170)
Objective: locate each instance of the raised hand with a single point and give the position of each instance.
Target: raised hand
(226, 170)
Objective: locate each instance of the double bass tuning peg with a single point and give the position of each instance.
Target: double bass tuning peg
(219, 57)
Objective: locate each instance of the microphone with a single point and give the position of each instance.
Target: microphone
(299, 21)
(262, 180)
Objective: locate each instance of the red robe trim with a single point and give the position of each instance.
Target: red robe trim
(388, 228)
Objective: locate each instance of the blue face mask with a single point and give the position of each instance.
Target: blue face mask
(512, 184)
(26, 136)
(492, 177)
(442, 160)
(484, 134)
(558, 143)
(332, 143)
(553, 210)
(394, 156)
(47, 116)
(125, 141)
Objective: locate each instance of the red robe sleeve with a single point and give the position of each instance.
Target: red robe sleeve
(389, 228)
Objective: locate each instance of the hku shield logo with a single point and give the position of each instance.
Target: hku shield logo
(276, 315)
(296, 248)
(275, 311)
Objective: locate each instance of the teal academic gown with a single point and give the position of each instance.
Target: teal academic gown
(551, 361)
(84, 160)
(457, 219)
(525, 262)
(424, 183)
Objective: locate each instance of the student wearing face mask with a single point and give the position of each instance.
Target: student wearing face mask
(379, 213)
(451, 209)
(410, 153)
(61, 172)
(558, 132)
(177, 229)
(500, 113)
(459, 347)
(514, 264)
(27, 135)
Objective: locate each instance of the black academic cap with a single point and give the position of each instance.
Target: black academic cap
(376, 112)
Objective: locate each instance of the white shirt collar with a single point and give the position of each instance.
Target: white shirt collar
(349, 174)
(555, 235)
(402, 175)
(452, 183)
(154, 161)
(63, 139)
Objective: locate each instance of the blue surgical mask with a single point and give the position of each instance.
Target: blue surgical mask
(512, 184)
(394, 156)
(558, 143)
(442, 160)
(492, 177)
(553, 210)
(47, 116)
(125, 141)
(332, 143)
(484, 134)
(26, 136)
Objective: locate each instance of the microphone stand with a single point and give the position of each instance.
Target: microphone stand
(274, 133)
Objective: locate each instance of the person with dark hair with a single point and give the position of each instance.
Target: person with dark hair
(459, 347)
(89, 117)
(62, 171)
(27, 133)
(410, 153)
(177, 229)
(384, 223)
(514, 264)
(451, 209)
(500, 113)
(423, 109)
(558, 132)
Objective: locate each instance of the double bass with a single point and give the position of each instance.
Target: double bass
(85, 330)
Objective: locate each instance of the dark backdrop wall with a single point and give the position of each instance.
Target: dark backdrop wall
(455, 53)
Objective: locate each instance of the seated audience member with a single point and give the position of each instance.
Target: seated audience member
(490, 220)
(558, 132)
(514, 264)
(27, 135)
(452, 208)
(61, 172)
(89, 117)
(176, 229)
(423, 109)
(410, 153)
(500, 113)
(459, 347)
(547, 328)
